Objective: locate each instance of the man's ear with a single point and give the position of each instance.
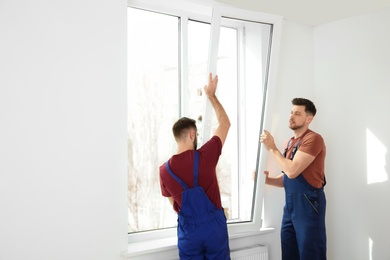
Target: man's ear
(309, 119)
(192, 134)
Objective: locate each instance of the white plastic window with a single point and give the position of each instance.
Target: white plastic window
(168, 63)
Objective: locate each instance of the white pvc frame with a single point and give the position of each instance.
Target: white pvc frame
(212, 67)
(276, 22)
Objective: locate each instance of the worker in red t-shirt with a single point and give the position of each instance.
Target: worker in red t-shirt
(303, 233)
(188, 179)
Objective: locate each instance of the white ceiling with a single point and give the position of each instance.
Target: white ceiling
(311, 12)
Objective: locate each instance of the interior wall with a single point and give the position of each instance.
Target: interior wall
(63, 129)
(295, 78)
(63, 135)
(352, 61)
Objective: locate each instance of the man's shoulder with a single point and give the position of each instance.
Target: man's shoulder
(211, 150)
(313, 136)
(163, 166)
(215, 140)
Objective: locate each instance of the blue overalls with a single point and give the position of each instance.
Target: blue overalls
(303, 231)
(202, 231)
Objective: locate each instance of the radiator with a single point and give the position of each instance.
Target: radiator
(258, 252)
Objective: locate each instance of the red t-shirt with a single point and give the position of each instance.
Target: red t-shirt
(182, 165)
(313, 144)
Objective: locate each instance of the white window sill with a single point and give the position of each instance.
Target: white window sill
(159, 245)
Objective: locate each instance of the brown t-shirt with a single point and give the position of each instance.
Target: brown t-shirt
(312, 143)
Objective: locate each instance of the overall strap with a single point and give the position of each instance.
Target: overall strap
(295, 147)
(196, 160)
(285, 150)
(175, 177)
(294, 150)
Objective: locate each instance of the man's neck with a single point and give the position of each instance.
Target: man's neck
(183, 148)
(298, 133)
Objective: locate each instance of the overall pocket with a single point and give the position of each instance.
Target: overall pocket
(312, 199)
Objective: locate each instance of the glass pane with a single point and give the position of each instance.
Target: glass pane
(198, 48)
(153, 106)
(227, 168)
(253, 39)
(241, 67)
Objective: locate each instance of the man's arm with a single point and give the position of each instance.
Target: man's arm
(171, 200)
(292, 168)
(274, 181)
(223, 119)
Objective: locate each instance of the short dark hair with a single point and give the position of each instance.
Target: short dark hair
(182, 126)
(310, 108)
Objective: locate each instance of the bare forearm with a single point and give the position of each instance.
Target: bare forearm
(275, 181)
(223, 119)
(220, 112)
(171, 200)
(286, 165)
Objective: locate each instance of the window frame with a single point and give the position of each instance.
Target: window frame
(187, 9)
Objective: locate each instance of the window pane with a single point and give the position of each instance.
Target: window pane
(198, 48)
(228, 167)
(253, 40)
(153, 106)
(242, 62)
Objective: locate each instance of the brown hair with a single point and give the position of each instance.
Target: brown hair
(310, 108)
(182, 126)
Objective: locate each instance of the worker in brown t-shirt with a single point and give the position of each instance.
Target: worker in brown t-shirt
(303, 232)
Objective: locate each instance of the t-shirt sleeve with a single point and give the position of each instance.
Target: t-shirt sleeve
(212, 149)
(312, 144)
(164, 190)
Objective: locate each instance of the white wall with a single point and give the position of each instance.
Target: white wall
(344, 68)
(295, 79)
(352, 65)
(63, 129)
